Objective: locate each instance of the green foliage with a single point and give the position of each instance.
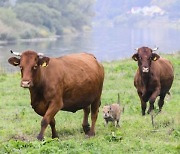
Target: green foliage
(7, 19)
(36, 19)
(56, 15)
(38, 15)
(5, 3)
(19, 124)
(12, 28)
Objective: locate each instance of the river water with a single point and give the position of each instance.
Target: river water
(106, 44)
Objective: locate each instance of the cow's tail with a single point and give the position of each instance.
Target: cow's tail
(122, 108)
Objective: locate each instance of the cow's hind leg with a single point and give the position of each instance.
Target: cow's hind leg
(161, 101)
(85, 124)
(52, 124)
(94, 115)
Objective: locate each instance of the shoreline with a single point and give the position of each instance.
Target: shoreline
(51, 38)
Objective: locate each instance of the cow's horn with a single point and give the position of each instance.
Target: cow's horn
(155, 49)
(15, 53)
(136, 49)
(40, 54)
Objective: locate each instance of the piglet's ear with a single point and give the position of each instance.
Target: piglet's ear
(44, 61)
(135, 56)
(155, 56)
(14, 61)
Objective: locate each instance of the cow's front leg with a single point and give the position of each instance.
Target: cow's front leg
(143, 103)
(152, 99)
(48, 117)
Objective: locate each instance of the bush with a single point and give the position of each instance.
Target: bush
(33, 33)
(39, 15)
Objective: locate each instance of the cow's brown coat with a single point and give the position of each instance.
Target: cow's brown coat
(153, 78)
(68, 83)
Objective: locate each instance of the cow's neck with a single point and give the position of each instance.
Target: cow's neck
(145, 78)
(37, 90)
(37, 80)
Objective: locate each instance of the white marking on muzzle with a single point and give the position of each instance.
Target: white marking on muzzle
(145, 69)
(25, 84)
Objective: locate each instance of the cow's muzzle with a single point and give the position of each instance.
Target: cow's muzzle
(26, 84)
(145, 69)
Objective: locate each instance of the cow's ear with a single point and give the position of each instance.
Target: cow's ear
(44, 61)
(135, 57)
(155, 56)
(14, 61)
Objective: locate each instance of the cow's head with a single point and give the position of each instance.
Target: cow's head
(29, 63)
(145, 56)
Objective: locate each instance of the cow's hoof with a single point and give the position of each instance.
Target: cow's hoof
(143, 113)
(40, 137)
(55, 136)
(86, 128)
(90, 134)
(149, 111)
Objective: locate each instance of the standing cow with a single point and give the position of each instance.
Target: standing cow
(68, 83)
(153, 78)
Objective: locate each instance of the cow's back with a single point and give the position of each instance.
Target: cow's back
(165, 67)
(79, 78)
(165, 72)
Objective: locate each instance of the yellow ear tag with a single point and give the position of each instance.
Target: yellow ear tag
(44, 64)
(155, 58)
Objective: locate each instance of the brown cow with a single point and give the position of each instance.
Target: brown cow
(68, 83)
(153, 78)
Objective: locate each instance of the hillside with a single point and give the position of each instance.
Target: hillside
(25, 19)
(138, 13)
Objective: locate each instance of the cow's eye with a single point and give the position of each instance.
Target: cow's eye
(21, 67)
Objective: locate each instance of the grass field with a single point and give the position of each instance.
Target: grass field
(19, 124)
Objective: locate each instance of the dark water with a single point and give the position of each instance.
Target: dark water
(106, 44)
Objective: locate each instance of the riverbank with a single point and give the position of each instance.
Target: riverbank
(52, 38)
(19, 124)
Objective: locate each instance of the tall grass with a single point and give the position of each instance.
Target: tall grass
(19, 124)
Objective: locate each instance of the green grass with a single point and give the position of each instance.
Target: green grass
(19, 124)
